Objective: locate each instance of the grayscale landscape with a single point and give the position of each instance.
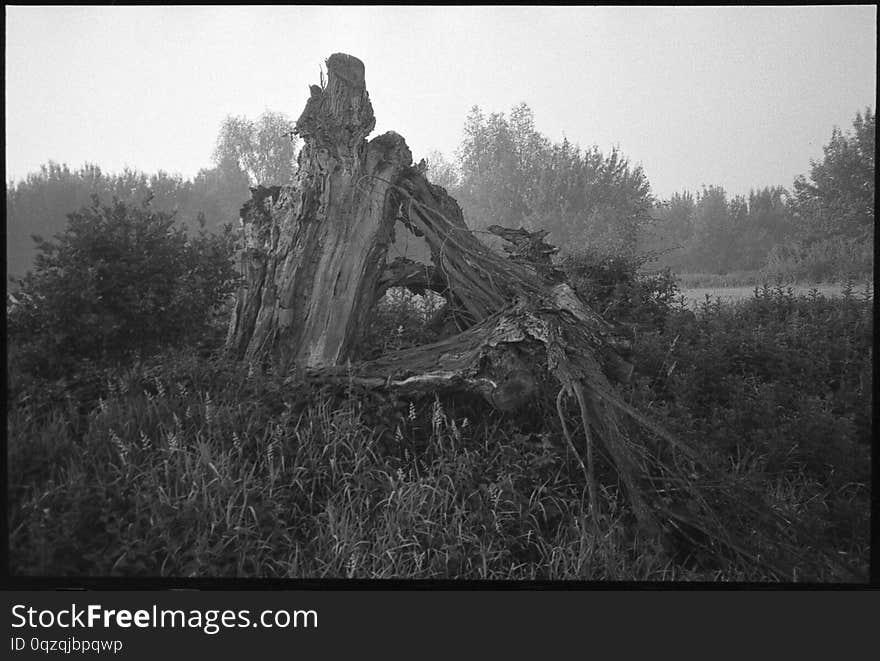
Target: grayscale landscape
(452, 293)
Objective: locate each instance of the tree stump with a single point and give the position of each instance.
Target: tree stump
(314, 251)
(314, 264)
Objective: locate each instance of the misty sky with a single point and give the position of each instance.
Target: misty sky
(737, 96)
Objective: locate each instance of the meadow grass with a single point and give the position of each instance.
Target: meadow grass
(728, 294)
(185, 466)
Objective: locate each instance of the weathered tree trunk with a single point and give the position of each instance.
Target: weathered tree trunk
(315, 263)
(314, 251)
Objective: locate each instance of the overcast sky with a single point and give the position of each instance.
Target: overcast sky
(737, 96)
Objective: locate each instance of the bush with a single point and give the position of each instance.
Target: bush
(778, 387)
(786, 376)
(121, 280)
(613, 285)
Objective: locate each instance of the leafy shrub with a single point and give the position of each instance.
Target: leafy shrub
(613, 285)
(779, 388)
(121, 280)
(787, 375)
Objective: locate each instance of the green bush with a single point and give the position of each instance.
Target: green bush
(613, 285)
(121, 280)
(788, 376)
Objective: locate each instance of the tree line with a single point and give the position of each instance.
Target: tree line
(821, 229)
(247, 152)
(506, 172)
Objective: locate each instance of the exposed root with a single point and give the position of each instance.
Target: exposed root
(591, 480)
(588, 472)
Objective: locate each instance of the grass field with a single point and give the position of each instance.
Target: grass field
(696, 295)
(189, 466)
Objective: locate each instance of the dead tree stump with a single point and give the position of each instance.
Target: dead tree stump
(314, 251)
(314, 263)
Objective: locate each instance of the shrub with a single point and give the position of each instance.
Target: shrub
(120, 280)
(784, 375)
(613, 285)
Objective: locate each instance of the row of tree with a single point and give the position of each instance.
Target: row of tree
(708, 232)
(507, 173)
(247, 152)
(829, 213)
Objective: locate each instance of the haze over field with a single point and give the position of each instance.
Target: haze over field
(737, 96)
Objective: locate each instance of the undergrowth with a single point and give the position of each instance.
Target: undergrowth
(186, 465)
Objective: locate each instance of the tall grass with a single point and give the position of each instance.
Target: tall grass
(191, 466)
(202, 470)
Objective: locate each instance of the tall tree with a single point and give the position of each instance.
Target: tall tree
(264, 149)
(678, 217)
(498, 158)
(218, 194)
(713, 247)
(669, 232)
(768, 225)
(512, 175)
(443, 172)
(838, 198)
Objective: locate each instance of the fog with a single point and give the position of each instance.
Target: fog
(735, 96)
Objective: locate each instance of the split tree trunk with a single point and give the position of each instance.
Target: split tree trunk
(314, 263)
(314, 260)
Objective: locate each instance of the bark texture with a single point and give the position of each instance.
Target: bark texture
(315, 250)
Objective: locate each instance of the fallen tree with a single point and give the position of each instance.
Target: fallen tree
(315, 263)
